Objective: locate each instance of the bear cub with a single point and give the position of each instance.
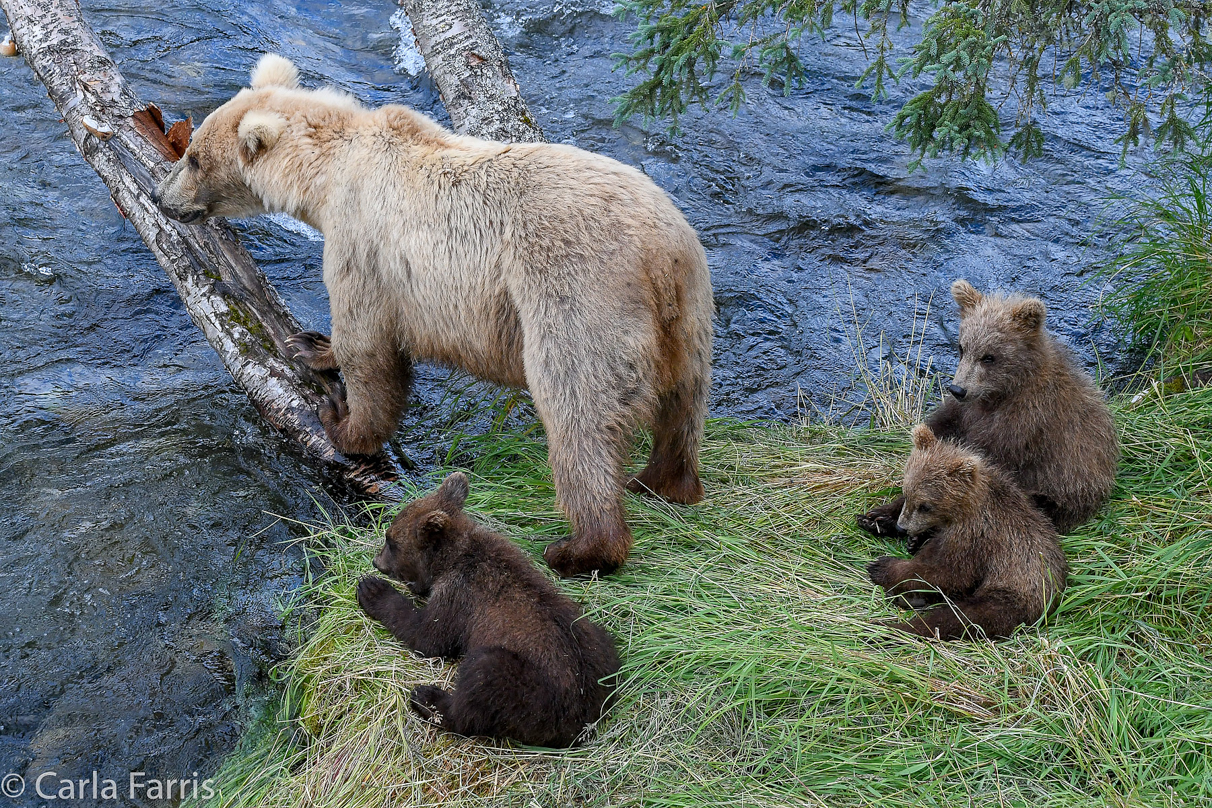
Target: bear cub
(991, 553)
(533, 669)
(1020, 399)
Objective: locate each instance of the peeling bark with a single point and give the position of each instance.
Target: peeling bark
(470, 70)
(226, 295)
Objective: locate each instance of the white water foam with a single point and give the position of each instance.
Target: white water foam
(507, 26)
(408, 58)
(293, 225)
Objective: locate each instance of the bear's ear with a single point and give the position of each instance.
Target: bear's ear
(966, 296)
(433, 526)
(258, 132)
(923, 437)
(969, 470)
(453, 491)
(1028, 315)
(274, 71)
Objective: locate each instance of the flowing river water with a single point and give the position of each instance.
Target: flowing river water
(142, 560)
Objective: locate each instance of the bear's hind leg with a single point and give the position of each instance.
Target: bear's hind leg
(587, 475)
(677, 432)
(500, 694)
(591, 386)
(991, 614)
(586, 465)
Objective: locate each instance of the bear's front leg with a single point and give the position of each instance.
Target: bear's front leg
(887, 571)
(902, 582)
(384, 603)
(431, 632)
(365, 412)
(908, 579)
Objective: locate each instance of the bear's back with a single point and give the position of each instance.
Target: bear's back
(1054, 435)
(1019, 547)
(514, 606)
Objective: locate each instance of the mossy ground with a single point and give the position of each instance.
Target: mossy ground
(752, 672)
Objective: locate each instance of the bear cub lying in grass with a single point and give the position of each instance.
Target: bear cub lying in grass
(1021, 400)
(532, 669)
(995, 557)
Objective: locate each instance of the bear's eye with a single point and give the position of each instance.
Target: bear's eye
(988, 359)
(925, 508)
(194, 164)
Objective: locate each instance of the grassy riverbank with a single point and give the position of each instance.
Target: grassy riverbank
(752, 673)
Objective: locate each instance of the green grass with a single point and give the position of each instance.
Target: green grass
(752, 673)
(1162, 266)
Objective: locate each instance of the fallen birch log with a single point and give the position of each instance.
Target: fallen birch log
(226, 295)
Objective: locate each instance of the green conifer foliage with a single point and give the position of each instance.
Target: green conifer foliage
(1148, 55)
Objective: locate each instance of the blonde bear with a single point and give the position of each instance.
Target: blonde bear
(535, 266)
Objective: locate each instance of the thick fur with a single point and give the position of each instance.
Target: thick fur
(1027, 407)
(534, 670)
(537, 266)
(991, 554)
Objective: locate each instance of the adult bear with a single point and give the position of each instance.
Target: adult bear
(536, 266)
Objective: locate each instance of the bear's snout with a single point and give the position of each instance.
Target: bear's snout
(380, 565)
(184, 218)
(959, 392)
(175, 201)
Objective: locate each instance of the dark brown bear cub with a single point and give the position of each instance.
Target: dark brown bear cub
(1020, 399)
(995, 557)
(533, 669)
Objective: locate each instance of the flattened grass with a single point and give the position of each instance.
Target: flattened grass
(753, 676)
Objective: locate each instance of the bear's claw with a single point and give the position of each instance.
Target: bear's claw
(429, 702)
(880, 570)
(377, 597)
(344, 434)
(312, 349)
(880, 521)
(334, 410)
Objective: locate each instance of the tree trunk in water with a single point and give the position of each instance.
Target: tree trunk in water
(470, 69)
(226, 295)
(224, 292)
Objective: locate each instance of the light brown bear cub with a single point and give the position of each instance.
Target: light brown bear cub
(990, 552)
(1020, 399)
(533, 670)
(529, 265)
